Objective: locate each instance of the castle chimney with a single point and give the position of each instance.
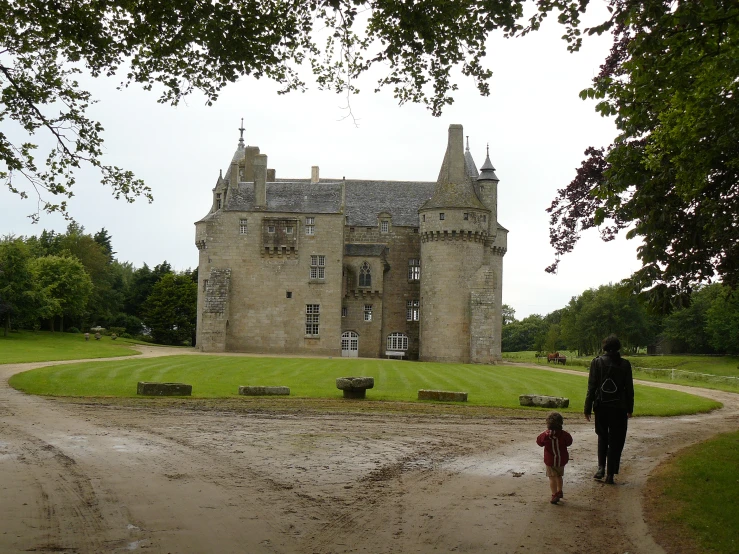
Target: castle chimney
(314, 174)
(453, 167)
(260, 181)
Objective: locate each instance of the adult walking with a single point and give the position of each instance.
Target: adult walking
(611, 396)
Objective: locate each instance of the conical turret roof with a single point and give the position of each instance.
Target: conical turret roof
(469, 163)
(487, 171)
(453, 187)
(240, 149)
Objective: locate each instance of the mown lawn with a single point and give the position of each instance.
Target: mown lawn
(693, 497)
(43, 346)
(720, 366)
(220, 376)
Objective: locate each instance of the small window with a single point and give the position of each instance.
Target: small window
(482, 188)
(368, 312)
(414, 269)
(351, 229)
(384, 226)
(243, 227)
(288, 294)
(310, 225)
(484, 218)
(317, 266)
(289, 230)
(271, 229)
(365, 275)
(218, 201)
(441, 216)
(344, 311)
(205, 284)
(423, 217)
(415, 229)
(412, 310)
(397, 341)
(312, 314)
(465, 216)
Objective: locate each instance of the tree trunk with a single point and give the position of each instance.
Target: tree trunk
(51, 323)
(7, 324)
(61, 323)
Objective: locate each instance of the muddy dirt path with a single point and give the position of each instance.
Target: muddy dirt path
(93, 478)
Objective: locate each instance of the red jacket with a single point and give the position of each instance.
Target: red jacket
(555, 443)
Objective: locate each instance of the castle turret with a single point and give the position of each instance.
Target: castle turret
(454, 230)
(487, 185)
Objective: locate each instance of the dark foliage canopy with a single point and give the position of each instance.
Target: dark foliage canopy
(671, 176)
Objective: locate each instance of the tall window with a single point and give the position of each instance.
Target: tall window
(317, 266)
(310, 225)
(365, 275)
(368, 312)
(312, 312)
(412, 310)
(384, 226)
(218, 201)
(344, 311)
(243, 227)
(414, 269)
(397, 341)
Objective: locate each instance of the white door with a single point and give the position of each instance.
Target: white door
(350, 344)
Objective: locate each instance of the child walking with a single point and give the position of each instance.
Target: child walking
(555, 442)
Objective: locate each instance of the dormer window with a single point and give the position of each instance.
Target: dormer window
(384, 226)
(218, 201)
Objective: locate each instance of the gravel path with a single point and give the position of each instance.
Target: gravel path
(93, 478)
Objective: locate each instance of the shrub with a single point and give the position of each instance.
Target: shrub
(73, 330)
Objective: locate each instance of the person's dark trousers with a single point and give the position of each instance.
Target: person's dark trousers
(610, 425)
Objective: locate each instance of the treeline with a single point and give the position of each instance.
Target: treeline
(72, 281)
(709, 324)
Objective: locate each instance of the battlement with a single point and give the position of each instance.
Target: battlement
(461, 235)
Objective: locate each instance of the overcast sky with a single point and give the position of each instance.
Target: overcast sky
(534, 121)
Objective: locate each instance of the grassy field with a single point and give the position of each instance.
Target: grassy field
(43, 346)
(220, 376)
(720, 366)
(709, 520)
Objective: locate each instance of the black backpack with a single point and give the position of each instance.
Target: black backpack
(608, 393)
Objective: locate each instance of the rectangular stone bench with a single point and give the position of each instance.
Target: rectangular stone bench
(145, 388)
(445, 395)
(264, 391)
(394, 354)
(542, 401)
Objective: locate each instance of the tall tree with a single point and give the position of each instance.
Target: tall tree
(16, 280)
(62, 285)
(671, 175)
(170, 311)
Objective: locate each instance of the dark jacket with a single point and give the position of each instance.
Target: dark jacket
(555, 443)
(610, 366)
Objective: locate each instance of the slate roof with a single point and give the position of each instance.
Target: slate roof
(364, 199)
(364, 250)
(401, 199)
(297, 197)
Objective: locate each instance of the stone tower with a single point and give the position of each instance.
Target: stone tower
(458, 283)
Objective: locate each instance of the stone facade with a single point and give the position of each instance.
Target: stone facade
(354, 268)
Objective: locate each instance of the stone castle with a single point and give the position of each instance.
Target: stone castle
(350, 267)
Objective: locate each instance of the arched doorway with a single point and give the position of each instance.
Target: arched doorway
(350, 344)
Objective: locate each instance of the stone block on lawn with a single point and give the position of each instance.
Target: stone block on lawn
(355, 387)
(163, 389)
(448, 396)
(264, 391)
(541, 401)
